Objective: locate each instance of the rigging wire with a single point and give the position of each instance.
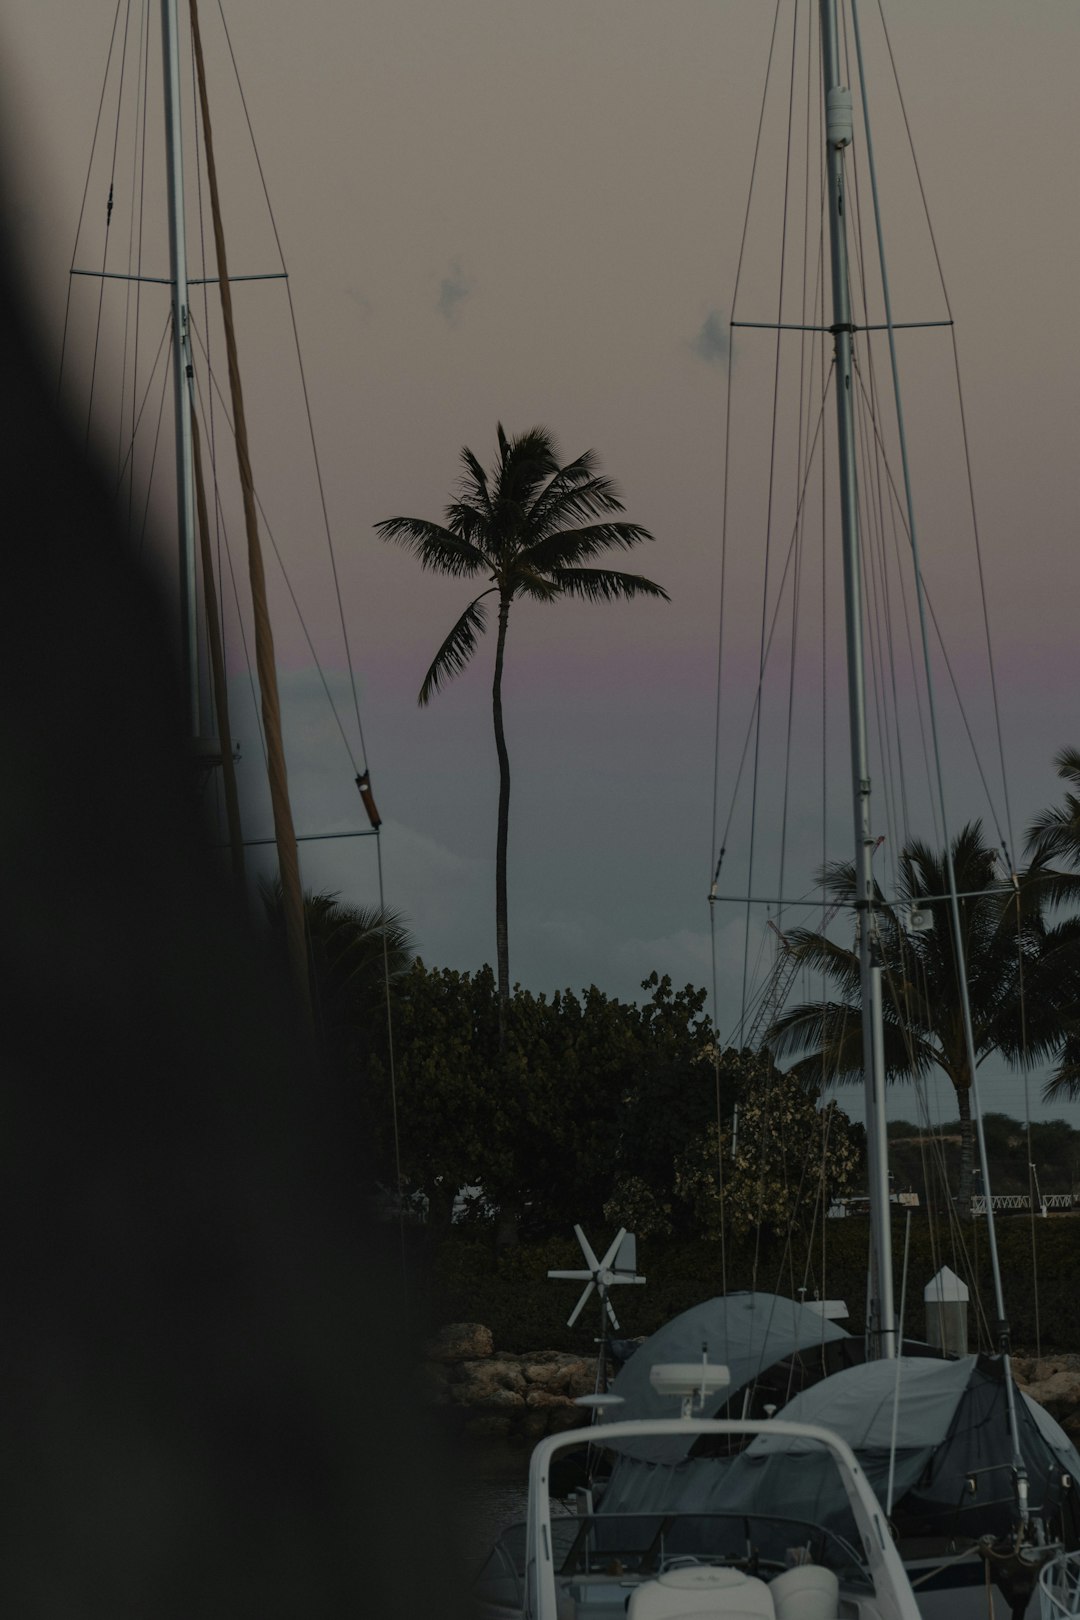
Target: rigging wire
(141, 193)
(958, 943)
(144, 526)
(108, 224)
(129, 291)
(127, 466)
(762, 643)
(716, 860)
(85, 195)
(964, 431)
(222, 532)
(307, 400)
(294, 599)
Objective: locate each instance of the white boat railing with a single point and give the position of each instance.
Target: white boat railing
(1059, 1588)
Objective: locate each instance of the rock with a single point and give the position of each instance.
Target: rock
(543, 1398)
(581, 1377)
(550, 1414)
(1058, 1390)
(461, 1341)
(474, 1381)
(557, 1371)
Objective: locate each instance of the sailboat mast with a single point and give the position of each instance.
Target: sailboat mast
(881, 1321)
(182, 365)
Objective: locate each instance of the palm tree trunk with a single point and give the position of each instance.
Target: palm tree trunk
(502, 948)
(967, 1152)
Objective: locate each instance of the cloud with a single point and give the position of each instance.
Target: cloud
(453, 289)
(711, 343)
(358, 299)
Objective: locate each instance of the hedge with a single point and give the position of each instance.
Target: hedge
(464, 1278)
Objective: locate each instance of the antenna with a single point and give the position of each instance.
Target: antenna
(619, 1265)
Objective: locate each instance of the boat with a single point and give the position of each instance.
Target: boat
(674, 1563)
(975, 1486)
(931, 1434)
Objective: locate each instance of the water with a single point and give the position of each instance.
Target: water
(491, 1493)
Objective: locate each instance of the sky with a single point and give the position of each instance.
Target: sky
(494, 211)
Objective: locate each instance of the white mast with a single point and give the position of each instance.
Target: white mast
(182, 363)
(881, 1322)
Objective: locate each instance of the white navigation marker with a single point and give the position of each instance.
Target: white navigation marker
(619, 1265)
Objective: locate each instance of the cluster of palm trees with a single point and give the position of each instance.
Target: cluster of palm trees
(1021, 949)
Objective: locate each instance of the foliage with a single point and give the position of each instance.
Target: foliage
(1002, 937)
(1055, 837)
(594, 1110)
(529, 527)
(352, 952)
(926, 1160)
(511, 1293)
(586, 1090)
(789, 1154)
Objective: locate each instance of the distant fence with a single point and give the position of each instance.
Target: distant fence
(1013, 1202)
(1004, 1203)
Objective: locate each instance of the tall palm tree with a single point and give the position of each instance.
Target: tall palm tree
(1054, 838)
(528, 527)
(1003, 934)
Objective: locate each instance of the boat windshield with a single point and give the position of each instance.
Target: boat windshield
(641, 1545)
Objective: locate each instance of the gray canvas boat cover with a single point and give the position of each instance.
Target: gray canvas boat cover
(746, 1332)
(953, 1466)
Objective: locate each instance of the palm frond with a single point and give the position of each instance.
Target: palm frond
(435, 547)
(526, 462)
(474, 482)
(605, 585)
(831, 1033)
(456, 650)
(567, 547)
(1055, 888)
(820, 954)
(1055, 835)
(1064, 1083)
(527, 582)
(575, 492)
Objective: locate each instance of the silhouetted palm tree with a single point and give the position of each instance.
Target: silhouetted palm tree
(528, 527)
(1003, 936)
(1053, 840)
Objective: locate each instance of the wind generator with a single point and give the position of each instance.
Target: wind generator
(619, 1265)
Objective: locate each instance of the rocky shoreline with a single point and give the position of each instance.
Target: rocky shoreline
(523, 1397)
(511, 1397)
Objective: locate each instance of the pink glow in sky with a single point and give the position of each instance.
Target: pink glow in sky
(497, 211)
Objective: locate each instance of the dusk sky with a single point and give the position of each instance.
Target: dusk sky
(500, 211)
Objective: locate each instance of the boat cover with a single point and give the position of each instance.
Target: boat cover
(953, 1467)
(746, 1332)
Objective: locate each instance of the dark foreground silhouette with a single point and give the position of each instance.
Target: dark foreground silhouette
(206, 1404)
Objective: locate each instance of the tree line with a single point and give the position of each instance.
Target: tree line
(585, 1106)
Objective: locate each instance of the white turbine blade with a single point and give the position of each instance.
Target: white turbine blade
(572, 1276)
(611, 1313)
(586, 1249)
(580, 1306)
(609, 1259)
